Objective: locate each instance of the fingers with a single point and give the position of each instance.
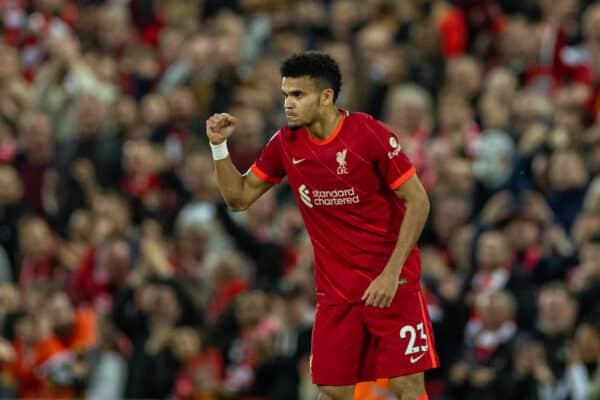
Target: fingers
(382, 300)
(211, 123)
(215, 121)
(230, 119)
(221, 125)
(377, 298)
(221, 119)
(386, 301)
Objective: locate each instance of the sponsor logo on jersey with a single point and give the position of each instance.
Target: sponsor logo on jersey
(396, 146)
(305, 195)
(341, 160)
(297, 161)
(327, 198)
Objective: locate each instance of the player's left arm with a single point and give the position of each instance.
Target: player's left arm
(382, 290)
(417, 210)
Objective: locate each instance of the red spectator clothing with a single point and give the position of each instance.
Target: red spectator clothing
(577, 69)
(532, 257)
(541, 78)
(553, 68)
(290, 260)
(490, 281)
(14, 19)
(28, 32)
(33, 177)
(485, 341)
(206, 367)
(31, 270)
(49, 269)
(415, 150)
(141, 184)
(148, 23)
(85, 331)
(593, 104)
(224, 297)
(482, 16)
(454, 31)
(581, 72)
(21, 371)
(344, 186)
(151, 33)
(244, 355)
(241, 367)
(91, 283)
(8, 151)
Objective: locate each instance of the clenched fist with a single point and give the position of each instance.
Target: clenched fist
(219, 127)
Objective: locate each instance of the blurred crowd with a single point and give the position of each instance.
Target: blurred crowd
(123, 275)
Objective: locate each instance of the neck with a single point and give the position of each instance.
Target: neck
(325, 125)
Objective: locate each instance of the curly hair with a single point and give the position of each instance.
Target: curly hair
(318, 65)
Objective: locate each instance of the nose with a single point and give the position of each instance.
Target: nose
(288, 103)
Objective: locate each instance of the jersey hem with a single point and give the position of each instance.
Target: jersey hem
(402, 290)
(403, 178)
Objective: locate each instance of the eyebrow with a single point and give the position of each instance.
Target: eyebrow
(294, 92)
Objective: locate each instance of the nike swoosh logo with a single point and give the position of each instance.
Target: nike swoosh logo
(297, 161)
(415, 359)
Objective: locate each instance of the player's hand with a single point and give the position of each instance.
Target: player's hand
(219, 127)
(381, 291)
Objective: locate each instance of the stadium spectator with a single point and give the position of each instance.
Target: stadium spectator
(108, 202)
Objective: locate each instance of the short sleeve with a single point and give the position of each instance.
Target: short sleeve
(268, 167)
(390, 161)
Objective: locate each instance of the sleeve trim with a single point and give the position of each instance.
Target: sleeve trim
(403, 178)
(263, 176)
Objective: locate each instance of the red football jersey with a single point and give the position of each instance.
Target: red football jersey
(344, 188)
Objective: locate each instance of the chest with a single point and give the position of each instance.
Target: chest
(330, 166)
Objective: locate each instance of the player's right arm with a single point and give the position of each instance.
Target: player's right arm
(239, 191)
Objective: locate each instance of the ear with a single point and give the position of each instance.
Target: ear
(327, 97)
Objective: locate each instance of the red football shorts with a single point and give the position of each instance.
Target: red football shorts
(352, 343)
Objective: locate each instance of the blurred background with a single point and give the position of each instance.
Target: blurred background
(122, 274)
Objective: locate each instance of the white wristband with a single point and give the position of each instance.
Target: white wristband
(219, 151)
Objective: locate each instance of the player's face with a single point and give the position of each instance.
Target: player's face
(302, 100)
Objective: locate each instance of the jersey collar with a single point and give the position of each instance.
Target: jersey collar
(331, 137)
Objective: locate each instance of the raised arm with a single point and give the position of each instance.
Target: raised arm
(239, 191)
